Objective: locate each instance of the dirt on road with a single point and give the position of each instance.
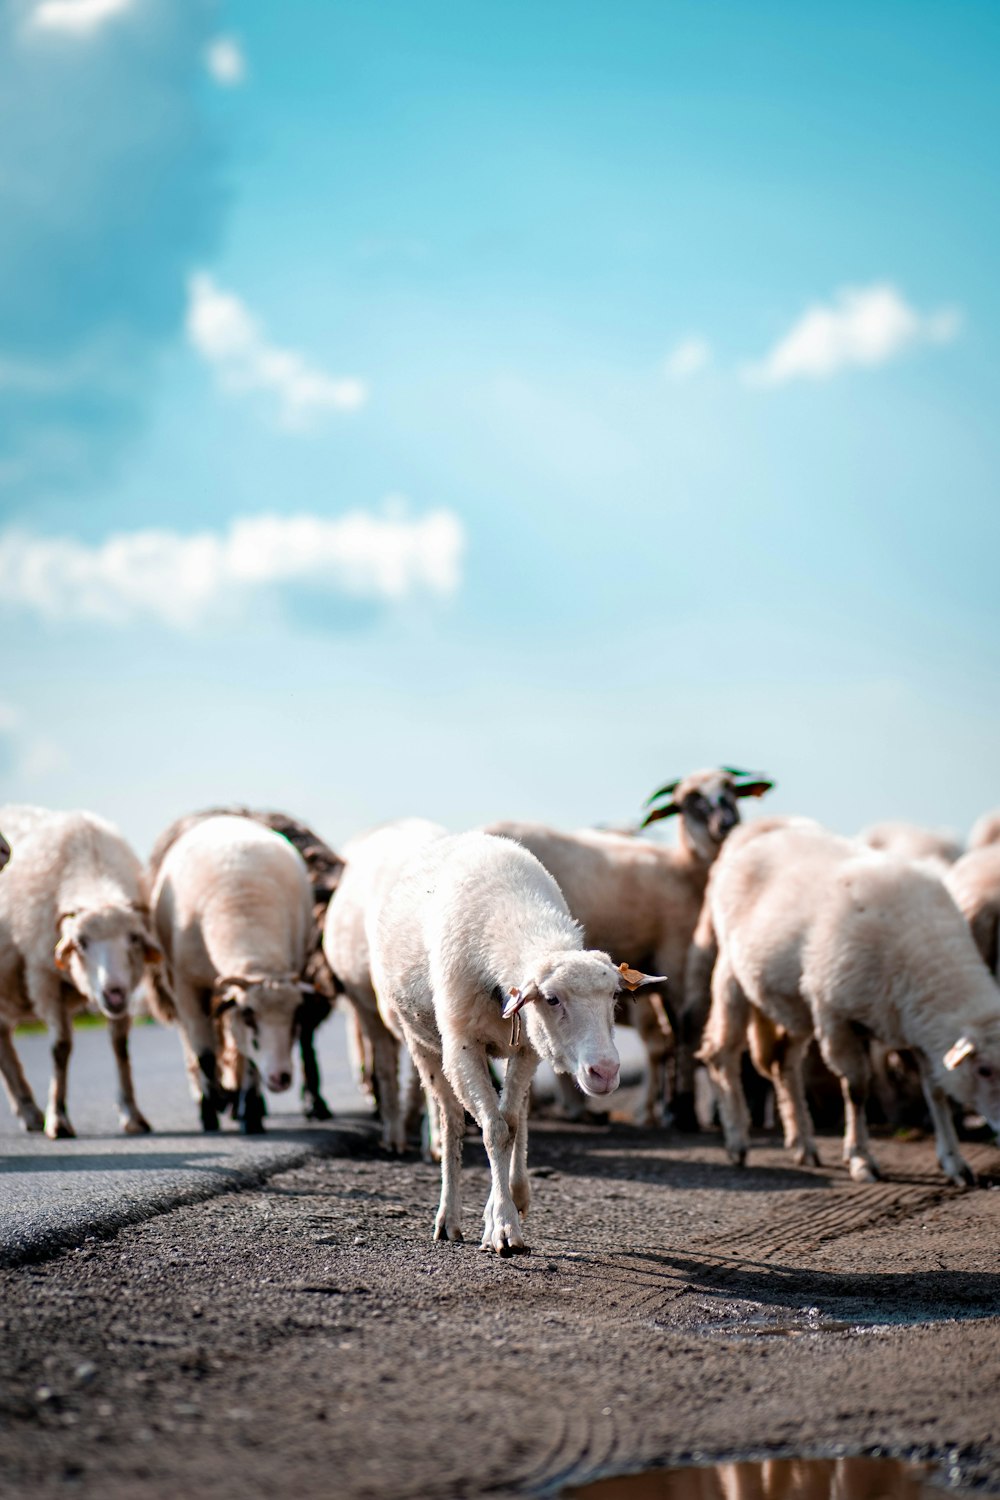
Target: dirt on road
(307, 1339)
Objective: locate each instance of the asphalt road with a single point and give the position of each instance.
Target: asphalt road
(53, 1194)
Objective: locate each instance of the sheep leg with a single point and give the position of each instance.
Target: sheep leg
(847, 1055)
(250, 1107)
(796, 1121)
(57, 1125)
(653, 1032)
(721, 1051)
(313, 1012)
(22, 1100)
(468, 1071)
(198, 1039)
(693, 1019)
(385, 1067)
(520, 1185)
(448, 1223)
(949, 1153)
(132, 1121)
(514, 1102)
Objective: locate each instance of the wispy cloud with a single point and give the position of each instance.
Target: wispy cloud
(225, 60)
(76, 17)
(688, 358)
(24, 753)
(863, 326)
(183, 581)
(227, 335)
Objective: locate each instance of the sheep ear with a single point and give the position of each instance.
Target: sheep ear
(632, 979)
(658, 813)
(962, 1049)
(518, 999)
(753, 788)
(64, 948)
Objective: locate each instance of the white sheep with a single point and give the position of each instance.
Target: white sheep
(911, 841)
(475, 955)
(974, 883)
(73, 933)
(818, 935)
(986, 830)
(372, 863)
(637, 899)
(232, 906)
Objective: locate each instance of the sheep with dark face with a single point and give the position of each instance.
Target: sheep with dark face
(640, 901)
(232, 906)
(74, 934)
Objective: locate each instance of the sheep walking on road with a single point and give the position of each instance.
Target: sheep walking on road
(232, 906)
(818, 935)
(372, 864)
(475, 955)
(73, 934)
(325, 869)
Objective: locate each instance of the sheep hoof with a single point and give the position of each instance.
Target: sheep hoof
(737, 1155)
(862, 1170)
(316, 1108)
(136, 1125)
(58, 1128)
(961, 1174)
(209, 1115)
(31, 1118)
(446, 1231)
(807, 1156)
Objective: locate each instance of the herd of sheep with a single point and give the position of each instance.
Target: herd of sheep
(520, 944)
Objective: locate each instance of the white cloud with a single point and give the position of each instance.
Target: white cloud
(182, 581)
(24, 754)
(76, 17)
(225, 333)
(689, 357)
(225, 60)
(863, 326)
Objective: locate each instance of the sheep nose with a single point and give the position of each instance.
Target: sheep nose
(278, 1082)
(605, 1072)
(114, 997)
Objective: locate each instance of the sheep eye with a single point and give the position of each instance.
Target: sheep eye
(552, 999)
(81, 943)
(985, 1071)
(249, 1018)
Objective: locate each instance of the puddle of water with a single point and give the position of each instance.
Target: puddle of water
(770, 1479)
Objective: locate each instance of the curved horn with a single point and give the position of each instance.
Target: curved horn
(658, 813)
(664, 791)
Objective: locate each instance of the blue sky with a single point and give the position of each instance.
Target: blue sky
(481, 412)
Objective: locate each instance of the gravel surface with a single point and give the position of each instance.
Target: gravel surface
(306, 1338)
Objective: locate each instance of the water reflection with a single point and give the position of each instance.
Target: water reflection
(770, 1479)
